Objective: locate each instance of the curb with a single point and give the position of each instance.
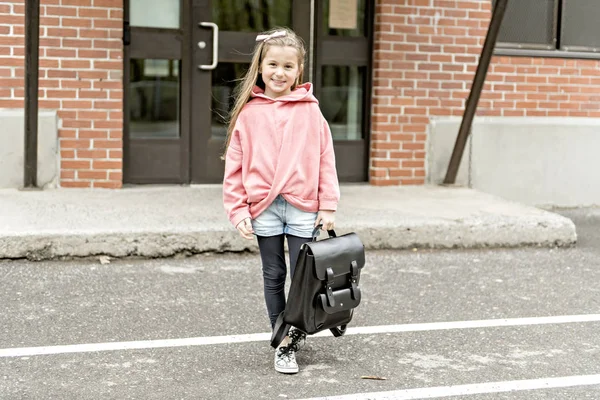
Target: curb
(549, 232)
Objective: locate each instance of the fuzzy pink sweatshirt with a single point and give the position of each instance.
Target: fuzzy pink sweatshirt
(280, 146)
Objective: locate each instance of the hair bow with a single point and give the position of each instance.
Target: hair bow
(264, 38)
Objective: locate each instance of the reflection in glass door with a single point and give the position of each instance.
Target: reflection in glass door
(154, 102)
(342, 100)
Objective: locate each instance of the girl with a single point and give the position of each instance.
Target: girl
(280, 177)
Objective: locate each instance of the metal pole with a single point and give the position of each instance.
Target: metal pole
(478, 81)
(32, 44)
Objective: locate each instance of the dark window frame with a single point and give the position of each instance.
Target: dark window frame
(555, 50)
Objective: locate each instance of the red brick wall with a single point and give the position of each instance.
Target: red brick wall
(81, 72)
(426, 53)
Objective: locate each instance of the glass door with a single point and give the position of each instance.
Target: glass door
(156, 102)
(223, 37)
(343, 70)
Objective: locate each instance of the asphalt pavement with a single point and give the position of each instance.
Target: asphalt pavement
(472, 323)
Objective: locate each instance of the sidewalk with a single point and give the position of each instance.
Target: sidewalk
(163, 221)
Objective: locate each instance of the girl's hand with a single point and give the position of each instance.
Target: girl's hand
(245, 228)
(327, 218)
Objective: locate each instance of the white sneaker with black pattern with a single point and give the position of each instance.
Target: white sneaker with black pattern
(285, 360)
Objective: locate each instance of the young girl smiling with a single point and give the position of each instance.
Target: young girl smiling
(280, 177)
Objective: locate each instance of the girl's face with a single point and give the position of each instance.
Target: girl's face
(279, 70)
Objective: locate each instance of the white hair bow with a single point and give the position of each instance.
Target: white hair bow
(264, 38)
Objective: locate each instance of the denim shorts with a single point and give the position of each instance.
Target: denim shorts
(283, 218)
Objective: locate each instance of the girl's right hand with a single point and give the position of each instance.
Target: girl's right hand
(245, 228)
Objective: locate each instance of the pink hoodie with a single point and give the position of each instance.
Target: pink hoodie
(280, 146)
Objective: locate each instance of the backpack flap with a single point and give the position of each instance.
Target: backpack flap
(339, 259)
(337, 253)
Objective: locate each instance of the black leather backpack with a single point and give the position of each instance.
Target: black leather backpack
(324, 290)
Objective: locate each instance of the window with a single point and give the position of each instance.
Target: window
(579, 28)
(560, 26)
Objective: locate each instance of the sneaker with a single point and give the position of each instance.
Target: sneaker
(297, 338)
(285, 360)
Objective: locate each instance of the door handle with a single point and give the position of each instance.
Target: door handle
(215, 61)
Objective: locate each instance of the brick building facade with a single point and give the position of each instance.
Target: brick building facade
(424, 56)
(426, 53)
(81, 70)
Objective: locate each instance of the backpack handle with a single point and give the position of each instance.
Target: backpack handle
(317, 231)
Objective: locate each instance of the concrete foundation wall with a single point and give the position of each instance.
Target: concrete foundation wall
(12, 143)
(546, 162)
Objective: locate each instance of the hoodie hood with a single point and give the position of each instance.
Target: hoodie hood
(303, 92)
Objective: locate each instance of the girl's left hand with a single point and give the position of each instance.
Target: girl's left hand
(327, 218)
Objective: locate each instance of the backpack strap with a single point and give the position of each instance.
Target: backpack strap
(354, 279)
(279, 331)
(338, 331)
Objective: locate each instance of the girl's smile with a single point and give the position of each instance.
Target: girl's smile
(280, 70)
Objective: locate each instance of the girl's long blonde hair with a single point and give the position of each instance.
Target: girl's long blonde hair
(252, 77)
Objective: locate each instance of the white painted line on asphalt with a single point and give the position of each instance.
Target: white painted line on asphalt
(478, 388)
(258, 337)
(143, 344)
(486, 323)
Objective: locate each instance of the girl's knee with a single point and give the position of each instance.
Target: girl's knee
(274, 280)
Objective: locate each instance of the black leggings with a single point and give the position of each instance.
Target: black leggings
(274, 269)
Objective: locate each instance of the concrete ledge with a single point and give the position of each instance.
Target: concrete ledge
(161, 222)
(120, 244)
(12, 143)
(539, 161)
